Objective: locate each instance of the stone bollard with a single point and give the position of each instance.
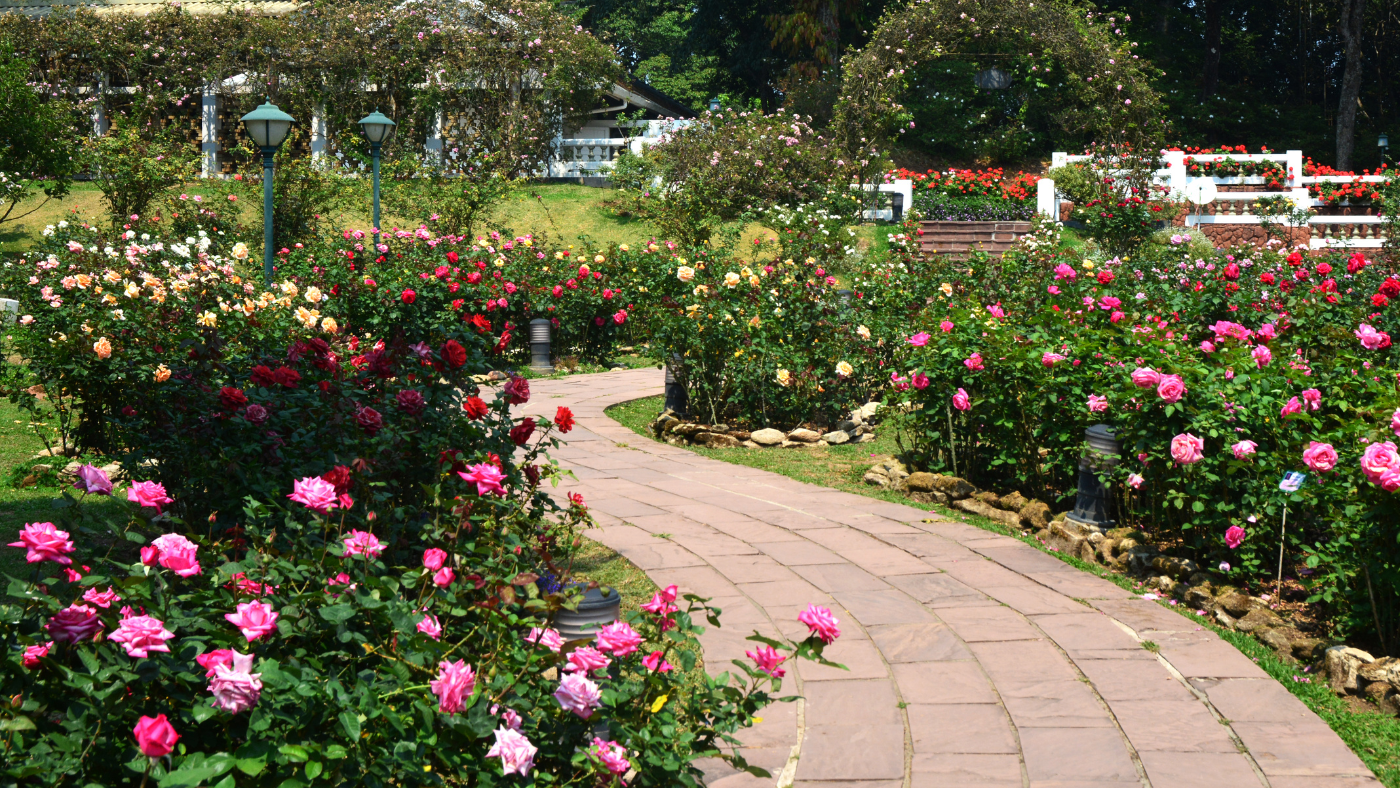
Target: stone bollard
(1091, 505)
(539, 345)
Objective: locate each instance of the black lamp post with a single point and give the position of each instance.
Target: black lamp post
(1384, 144)
(268, 126)
(1091, 505)
(377, 128)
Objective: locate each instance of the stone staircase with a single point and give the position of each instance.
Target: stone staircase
(956, 239)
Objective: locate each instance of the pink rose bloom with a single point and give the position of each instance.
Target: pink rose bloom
(974, 362)
(919, 381)
(549, 638)
(444, 577)
(578, 695)
(433, 558)
(155, 736)
(235, 689)
(1262, 356)
(946, 325)
(1064, 271)
(93, 480)
(1053, 289)
(33, 654)
(1390, 480)
(1051, 359)
(1234, 536)
(1292, 407)
(995, 310)
(1244, 449)
(213, 659)
(820, 622)
(1377, 459)
(661, 601)
(149, 494)
(1186, 449)
(1135, 480)
(253, 619)
(430, 627)
(612, 755)
(1313, 397)
(516, 752)
(362, 543)
(487, 477)
(176, 553)
(1371, 339)
(1230, 373)
(46, 543)
(1116, 316)
(509, 717)
(73, 623)
(314, 493)
(455, 683)
(1207, 347)
(656, 664)
(1320, 457)
(768, 660)
(1097, 404)
(102, 599)
(1395, 422)
(1171, 388)
(618, 638)
(920, 339)
(960, 401)
(140, 635)
(586, 659)
(1267, 332)
(1146, 377)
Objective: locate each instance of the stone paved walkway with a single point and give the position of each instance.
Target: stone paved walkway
(975, 660)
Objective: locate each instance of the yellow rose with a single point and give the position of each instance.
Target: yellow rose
(132, 290)
(863, 332)
(208, 319)
(313, 294)
(731, 279)
(597, 258)
(330, 326)
(844, 370)
(1088, 265)
(685, 273)
(784, 378)
(946, 288)
(162, 373)
(622, 248)
(240, 252)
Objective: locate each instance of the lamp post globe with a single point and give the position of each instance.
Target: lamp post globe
(268, 126)
(377, 128)
(1383, 142)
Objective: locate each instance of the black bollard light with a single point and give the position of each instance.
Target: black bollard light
(1101, 453)
(677, 401)
(539, 345)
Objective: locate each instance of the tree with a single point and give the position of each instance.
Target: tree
(1350, 27)
(35, 149)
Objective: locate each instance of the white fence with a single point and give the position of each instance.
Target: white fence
(1233, 206)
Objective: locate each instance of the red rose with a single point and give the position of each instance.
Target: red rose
(1232, 271)
(520, 433)
(518, 389)
(1105, 277)
(1379, 300)
(1323, 269)
(1391, 286)
(452, 257)
(369, 420)
(475, 407)
(339, 476)
(564, 419)
(408, 296)
(454, 354)
(286, 376)
(232, 398)
(1267, 278)
(262, 377)
(410, 401)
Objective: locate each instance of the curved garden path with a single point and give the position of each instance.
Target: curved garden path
(974, 659)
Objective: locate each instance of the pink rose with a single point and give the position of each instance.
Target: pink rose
(1395, 422)
(213, 659)
(140, 635)
(1371, 339)
(155, 736)
(362, 543)
(253, 619)
(1377, 459)
(487, 477)
(920, 339)
(455, 683)
(1244, 449)
(516, 752)
(1146, 377)
(46, 543)
(1097, 404)
(960, 401)
(1186, 449)
(1313, 397)
(1234, 536)
(314, 493)
(768, 660)
(612, 755)
(946, 325)
(430, 627)
(444, 577)
(176, 553)
(654, 663)
(974, 362)
(919, 381)
(93, 480)
(618, 638)
(1171, 388)
(1293, 406)
(1051, 359)
(549, 638)
(433, 558)
(73, 623)
(1135, 480)
(34, 653)
(1207, 347)
(586, 659)
(1390, 480)
(1262, 356)
(578, 695)
(149, 494)
(820, 622)
(1320, 457)
(235, 689)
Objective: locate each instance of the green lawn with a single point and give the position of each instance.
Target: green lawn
(1373, 736)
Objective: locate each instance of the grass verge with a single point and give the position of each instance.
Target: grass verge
(1373, 736)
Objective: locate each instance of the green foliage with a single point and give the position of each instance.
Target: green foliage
(137, 168)
(307, 195)
(446, 192)
(34, 146)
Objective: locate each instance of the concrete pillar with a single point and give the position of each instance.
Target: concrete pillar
(209, 132)
(1176, 177)
(1045, 202)
(1059, 159)
(99, 107)
(1295, 167)
(319, 134)
(434, 145)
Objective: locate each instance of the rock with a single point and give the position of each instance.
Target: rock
(496, 374)
(866, 437)
(41, 468)
(740, 435)
(749, 445)
(989, 498)
(1278, 641)
(1106, 550)
(1199, 596)
(929, 497)
(1036, 514)
(688, 430)
(719, 428)
(767, 437)
(848, 426)
(1065, 540)
(1385, 697)
(1307, 649)
(869, 409)
(974, 506)
(662, 424)
(1235, 603)
(1259, 619)
(877, 479)
(1179, 568)
(1225, 619)
(71, 469)
(1059, 517)
(836, 437)
(56, 451)
(954, 487)
(865, 429)
(715, 440)
(1014, 502)
(802, 435)
(1343, 663)
(1383, 669)
(114, 472)
(921, 481)
(1086, 551)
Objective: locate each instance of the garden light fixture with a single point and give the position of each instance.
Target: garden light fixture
(1091, 505)
(377, 127)
(268, 126)
(714, 104)
(1384, 144)
(539, 345)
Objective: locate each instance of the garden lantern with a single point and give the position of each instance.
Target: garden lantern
(1384, 144)
(539, 345)
(714, 104)
(377, 128)
(1101, 454)
(268, 126)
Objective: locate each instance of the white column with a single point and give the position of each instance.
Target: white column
(1176, 165)
(1045, 202)
(433, 147)
(318, 134)
(1295, 167)
(99, 107)
(1059, 159)
(209, 132)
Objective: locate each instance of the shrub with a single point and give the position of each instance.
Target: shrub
(34, 145)
(450, 193)
(136, 168)
(308, 194)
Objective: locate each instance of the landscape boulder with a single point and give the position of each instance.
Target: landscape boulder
(954, 487)
(767, 437)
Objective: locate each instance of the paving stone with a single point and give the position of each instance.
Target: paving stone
(1301, 749)
(1200, 770)
(1171, 726)
(1253, 700)
(979, 624)
(859, 702)
(883, 607)
(929, 642)
(799, 553)
(1066, 755)
(935, 588)
(840, 577)
(982, 729)
(1065, 704)
(943, 683)
(1121, 679)
(860, 658)
(852, 752)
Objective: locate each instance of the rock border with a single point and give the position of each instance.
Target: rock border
(670, 427)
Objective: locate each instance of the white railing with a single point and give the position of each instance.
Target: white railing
(1326, 231)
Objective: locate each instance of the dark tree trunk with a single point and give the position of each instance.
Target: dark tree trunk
(1352, 12)
(1210, 78)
